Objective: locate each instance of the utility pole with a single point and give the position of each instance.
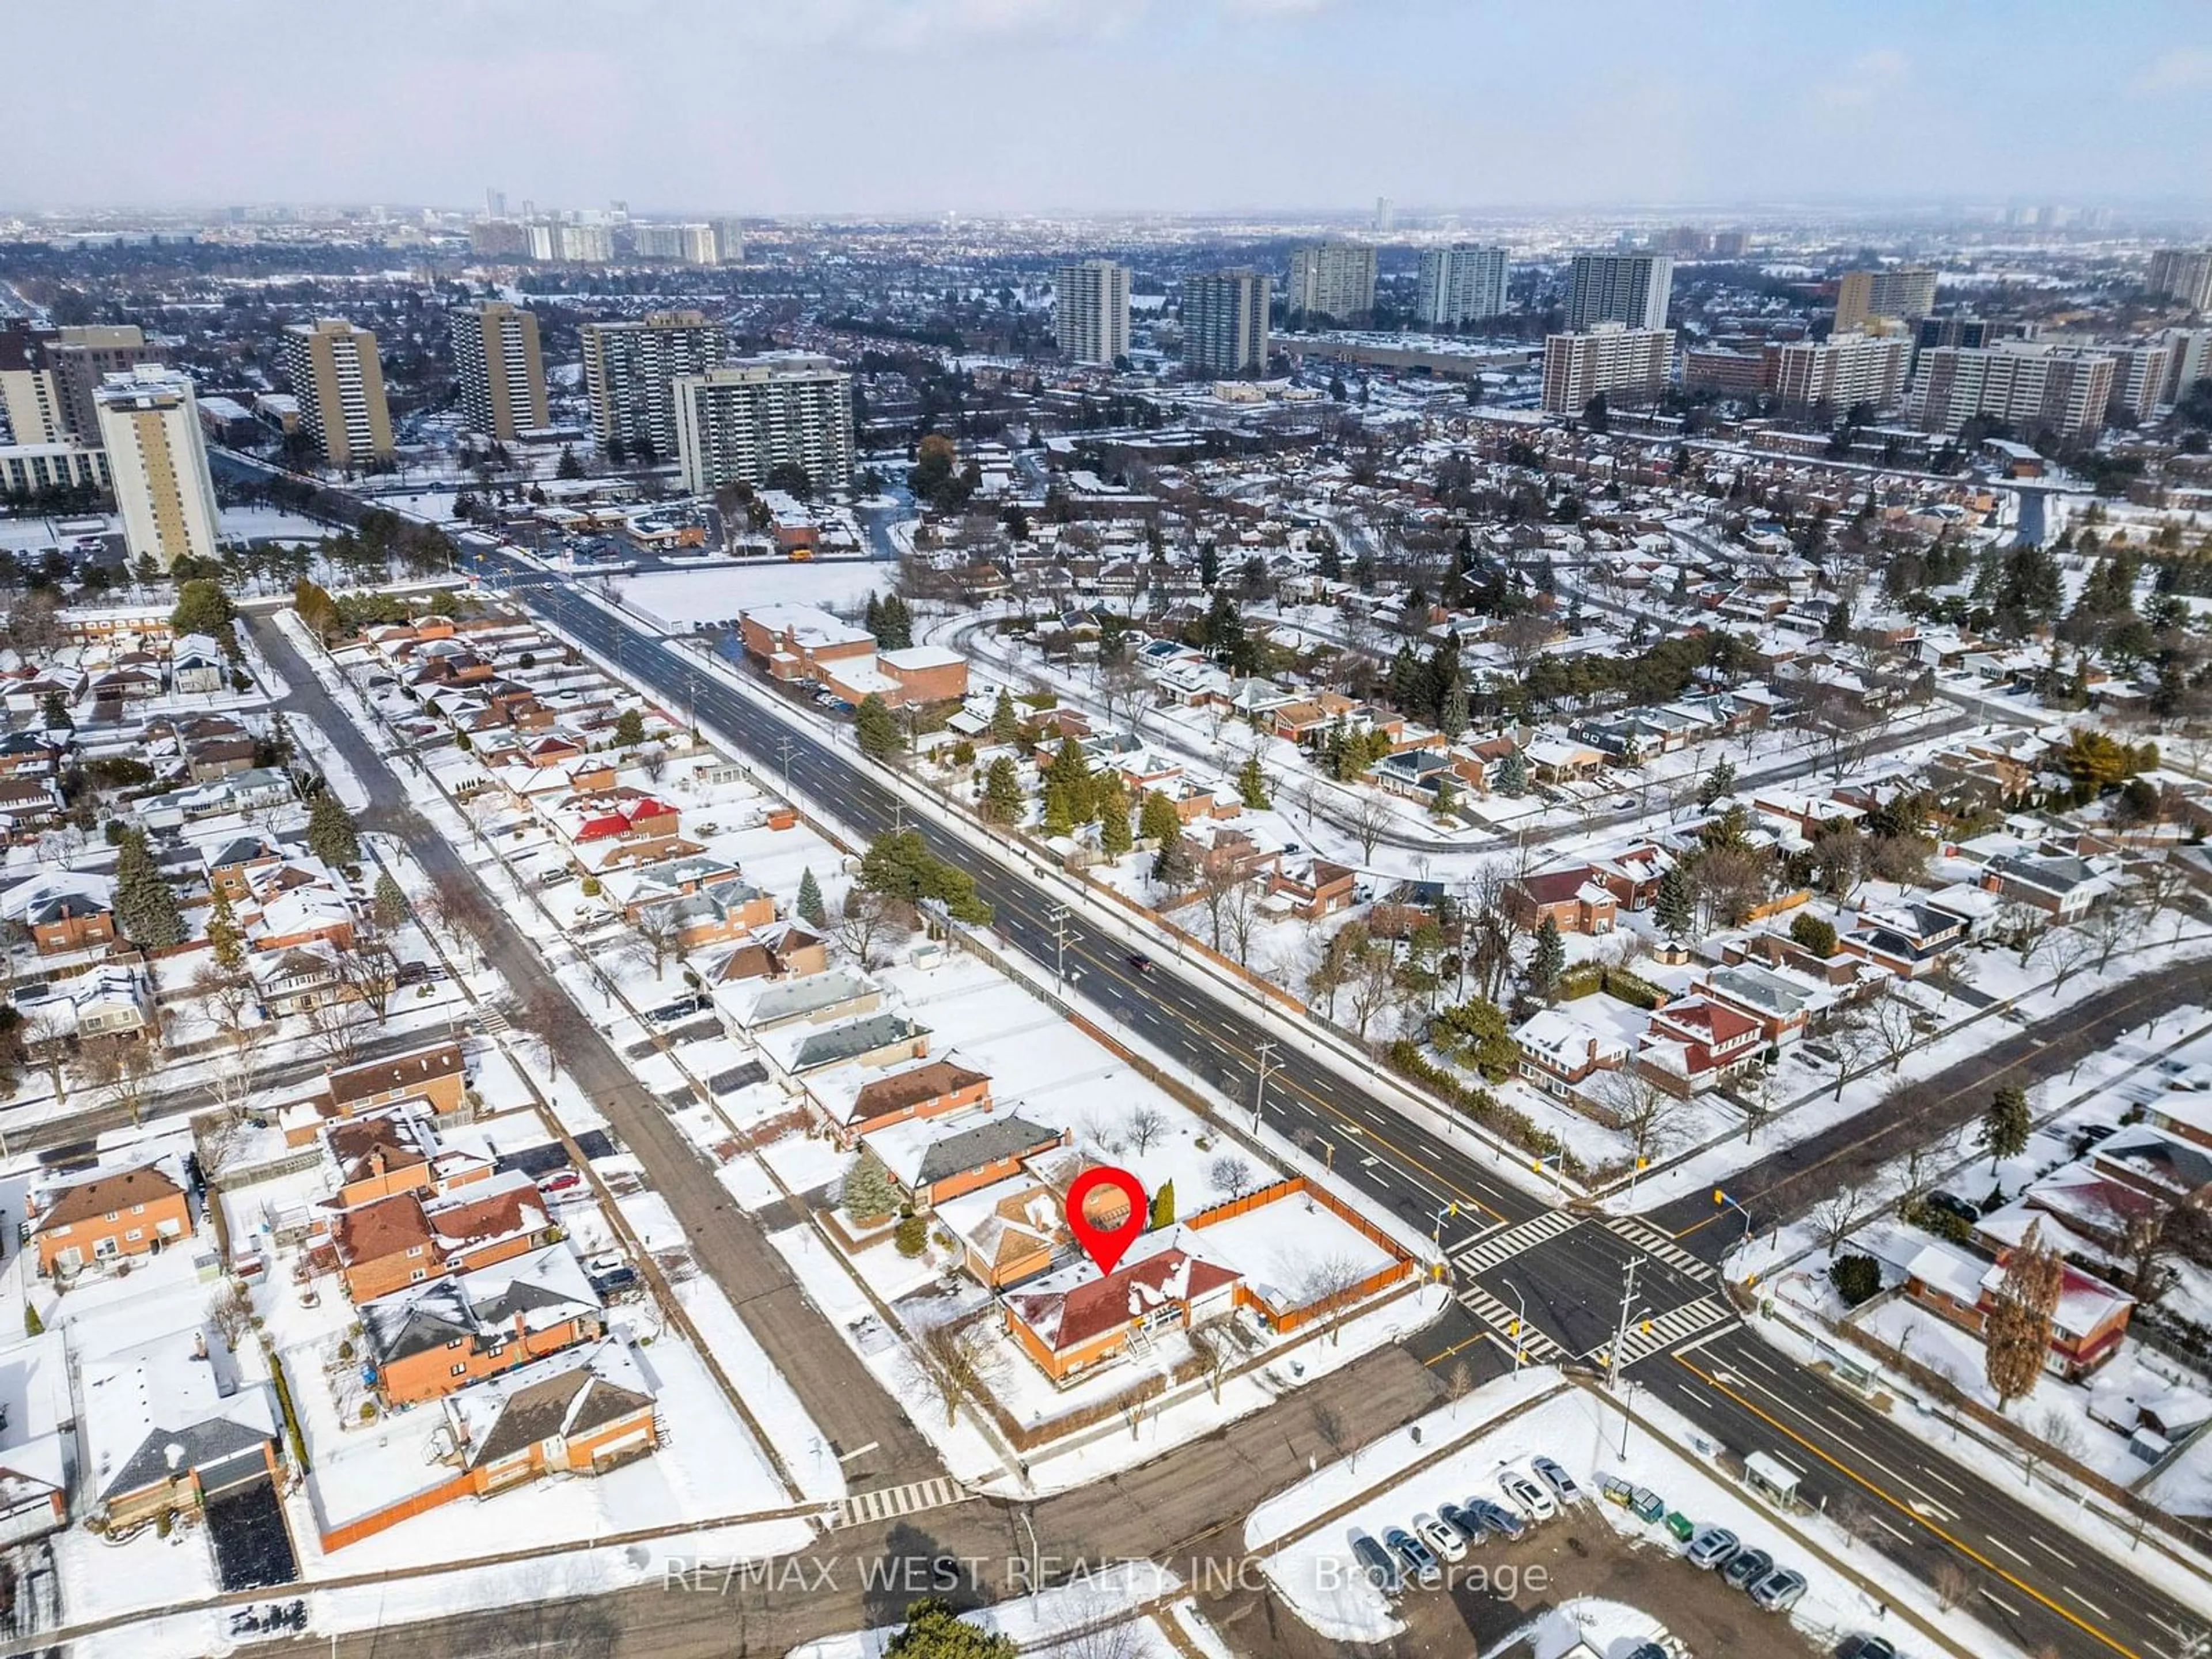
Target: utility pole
(1057, 916)
(1620, 1335)
(783, 748)
(1265, 1053)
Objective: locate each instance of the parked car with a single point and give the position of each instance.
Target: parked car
(1561, 1483)
(1748, 1567)
(1420, 1566)
(1496, 1518)
(1532, 1499)
(1443, 1540)
(558, 877)
(1780, 1591)
(560, 1181)
(1140, 963)
(1469, 1527)
(1866, 1647)
(1951, 1205)
(1379, 1566)
(1711, 1547)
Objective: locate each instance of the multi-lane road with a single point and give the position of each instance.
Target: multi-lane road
(1512, 1254)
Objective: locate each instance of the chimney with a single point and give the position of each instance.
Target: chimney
(175, 1452)
(199, 1344)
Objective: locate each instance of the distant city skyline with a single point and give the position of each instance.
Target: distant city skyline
(991, 107)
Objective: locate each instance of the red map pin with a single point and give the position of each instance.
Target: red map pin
(1105, 1238)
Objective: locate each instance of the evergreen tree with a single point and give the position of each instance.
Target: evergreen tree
(568, 466)
(1057, 815)
(894, 629)
(1209, 565)
(1156, 820)
(1005, 718)
(224, 939)
(629, 729)
(1070, 773)
(809, 905)
(391, 902)
(1675, 909)
(1163, 1207)
(145, 908)
(2006, 1125)
(1003, 799)
(1451, 716)
(1513, 774)
(203, 608)
(1113, 836)
(1548, 961)
(53, 712)
(1330, 566)
(873, 619)
(1252, 784)
(933, 1631)
(331, 835)
(876, 728)
(868, 1192)
(1719, 784)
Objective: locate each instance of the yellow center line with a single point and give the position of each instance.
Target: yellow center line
(1288, 1086)
(1902, 1508)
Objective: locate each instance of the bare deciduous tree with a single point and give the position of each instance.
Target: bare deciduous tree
(1639, 1107)
(870, 925)
(1370, 818)
(2063, 950)
(653, 936)
(122, 1071)
(1325, 1289)
(1230, 1174)
(230, 1312)
(1833, 1215)
(955, 1360)
(1143, 1126)
(337, 1027)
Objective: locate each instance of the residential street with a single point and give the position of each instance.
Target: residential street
(853, 1411)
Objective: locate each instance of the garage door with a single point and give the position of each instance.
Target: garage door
(233, 1471)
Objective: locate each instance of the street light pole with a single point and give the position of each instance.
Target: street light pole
(1520, 1322)
(1620, 1334)
(1265, 1053)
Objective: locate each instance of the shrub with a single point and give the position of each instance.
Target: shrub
(369, 1411)
(1814, 933)
(32, 1325)
(589, 887)
(1856, 1278)
(911, 1236)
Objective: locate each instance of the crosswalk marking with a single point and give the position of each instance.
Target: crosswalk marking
(1652, 1242)
(1493, 1248)
(888, 1502)
(1501, 1319)
(1661, 1331)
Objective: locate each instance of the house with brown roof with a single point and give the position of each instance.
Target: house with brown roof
(394, 1149)
(1075, 1319)
(389, 1243)
(102, 1218)
(583, 1410)
(434, 1074)
(1008, 1233)
(1574, 900)
(1314, 887)
(853, 1101)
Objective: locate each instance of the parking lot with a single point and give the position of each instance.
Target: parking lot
(1576, 1555)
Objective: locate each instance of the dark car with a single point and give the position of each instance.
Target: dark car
(1867, 1647)
(1747, 1568)
(1951, 1205)
(1470, 1528)
(1420, 1565)
(1496, 1518)
(1140, 962)
(1379, 1566)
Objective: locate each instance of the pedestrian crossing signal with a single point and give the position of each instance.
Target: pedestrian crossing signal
(1719, 1197)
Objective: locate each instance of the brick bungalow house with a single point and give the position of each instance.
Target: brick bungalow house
(2085, 1331)
(395, 1150)
(390, 1243)
(98, 1219)
(1071, 1320)
(1008, 1233)
(585, 1410)
(65, 921)
(853, 1101)
(935, 1160)
(430, 1339)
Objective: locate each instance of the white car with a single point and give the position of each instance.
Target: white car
(1442, 1539)
(1525, 1494)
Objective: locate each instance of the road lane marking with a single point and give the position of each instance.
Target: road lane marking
(2088, 1603)
(1990, 1596)
(1999, 1543)
(1964, 1548)
(2048, 1551)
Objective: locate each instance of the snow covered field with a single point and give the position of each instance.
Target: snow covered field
(714, 593)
